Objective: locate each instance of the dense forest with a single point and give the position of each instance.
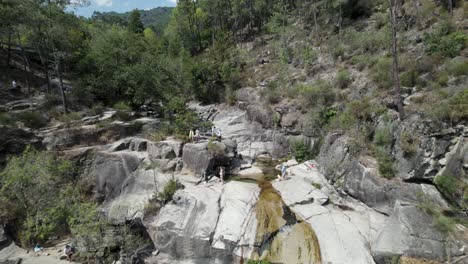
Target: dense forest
(206, 50)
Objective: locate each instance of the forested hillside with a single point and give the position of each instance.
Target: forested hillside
(376, 91)
(155, 18)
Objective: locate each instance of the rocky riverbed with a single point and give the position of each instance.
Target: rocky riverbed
(335, 209)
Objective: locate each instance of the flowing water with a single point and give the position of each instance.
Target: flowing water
(281, 236)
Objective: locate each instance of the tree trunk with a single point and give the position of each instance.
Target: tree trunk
(62, 89)
(315, 20)
(45, 66)
(450, 7)
(25, 65)
(8, 59)
(396, 77)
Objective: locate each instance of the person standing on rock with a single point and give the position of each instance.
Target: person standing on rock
(191, 135)
(13, 85)
(283, 172)
(218, 134)
(221, 174)
(197, 134)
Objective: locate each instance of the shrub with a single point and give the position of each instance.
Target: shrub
(442, 78)
(70, 117)
(385, 162)
(453, 109)
(338, 50)
(123, 110)
(449, 185)
(214, 148)
(408, 143)
(230, 96)
(32, 119)
(362, 61)
(271, 93)
(156, 136)
(443, 223)
(168, 191)
(408, 79)
(6, 119)
(308, 56)
(381, 73)
(458, 66)
(122, 106)
(383, 136)
(97, 109)
(343, 78)
(380, 20)
(301, 151)
(321, 93)
(446, 44)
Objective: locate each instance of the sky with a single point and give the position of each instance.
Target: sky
(119, 6)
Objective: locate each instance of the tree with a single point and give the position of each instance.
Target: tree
(135, 25)
(393, 5)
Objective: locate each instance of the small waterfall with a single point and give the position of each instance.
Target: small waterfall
(281, 236)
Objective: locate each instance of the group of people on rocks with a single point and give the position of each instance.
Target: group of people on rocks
(69, 251)
(195, 136)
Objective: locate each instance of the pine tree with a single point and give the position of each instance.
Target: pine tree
(135, 25)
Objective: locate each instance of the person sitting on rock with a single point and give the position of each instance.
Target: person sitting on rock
(69, 251)
(38, 249)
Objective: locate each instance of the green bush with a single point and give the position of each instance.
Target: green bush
(385, 162)
(381, 73)
(169, 190)
(123, 111)
(271, 92)
(320, 93)
(39, 194)
(362, 61)
(70, 117)
(32, 119)
(408, 143)
(446, 44)
(383, 136)
(443, 223)
(230, 96)
(453, 109)
(449, 185)
(343, 78)
(97, 109)
(6, 119)
(214, 148)
(408, 79)
(122, 106)
(458, 66)
(301, 151)
(442, 78)
(380, 20)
